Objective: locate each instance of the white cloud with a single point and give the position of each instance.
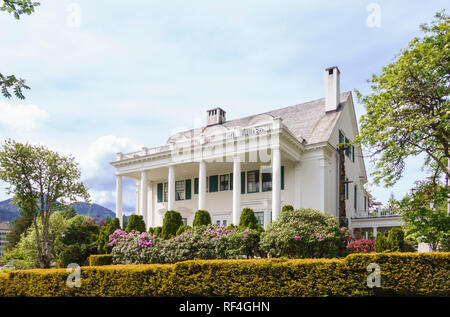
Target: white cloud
(21, 117)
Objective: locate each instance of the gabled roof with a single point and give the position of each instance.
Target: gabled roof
(307, 120)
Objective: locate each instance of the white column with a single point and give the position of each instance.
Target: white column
(171, 189)
(202, 185)
(236, 190)
(375, 232)
(322, 184)
(297, 186)
(149, 219)
(138, 197)
(119, 210)
(143, 196)
(276, 182)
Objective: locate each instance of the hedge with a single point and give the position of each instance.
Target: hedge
(100, 259)
(424, 274)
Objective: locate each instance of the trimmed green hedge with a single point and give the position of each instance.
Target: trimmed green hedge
(100, 259)
(401, 274)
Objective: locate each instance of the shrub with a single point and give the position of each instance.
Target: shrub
(424, 274)
(100, 259)
(202, 242)
(304, 233)
(172, 221)
(135, 223)
(248, 220)
(381, 243)
(182, 229)
(396, 239)
(361, 246)
(157, 231)
(202, 218)
(103, 237)
(287, 208)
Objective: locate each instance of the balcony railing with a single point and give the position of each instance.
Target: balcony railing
(379, 212)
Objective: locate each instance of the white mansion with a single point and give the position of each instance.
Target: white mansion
(287, 156)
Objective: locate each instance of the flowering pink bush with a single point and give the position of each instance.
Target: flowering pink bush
(361, 246)
(202, 242)
(304, 233)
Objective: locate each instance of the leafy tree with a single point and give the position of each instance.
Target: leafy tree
(17, 8)
(407, 113)
(40, 179)
(157, 231)
(202, 218)
(135, 222)
(424, 214)
(172, 221)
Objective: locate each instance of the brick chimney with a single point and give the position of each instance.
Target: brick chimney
(332, 89)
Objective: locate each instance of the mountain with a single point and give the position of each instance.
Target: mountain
(8, 211)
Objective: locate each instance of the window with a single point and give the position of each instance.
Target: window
(253, 182)
(184, 220)
(195, 186)
(179, 190)
(266, 182)
(355, 198)
(260, 217)
(224, 222)
(166, 191)
(224, 182)
(365, 203)
(353, 153)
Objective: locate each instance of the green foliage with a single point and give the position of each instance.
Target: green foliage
(135, 222)
(202, 218)
(396, 239)
(286, 208)
(248, 220)
(172, 221)
(304, 233)
(103, 237)
(381, 243)
(19, 7)
(407, 111)
(157, 231)
(182, 229)
(18, 227)
(100, 259)
(401, 274)
(40, 180)
(26, 253)
(424, 214)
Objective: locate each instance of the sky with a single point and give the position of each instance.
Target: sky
(109, 76)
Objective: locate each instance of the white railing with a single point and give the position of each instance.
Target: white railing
(200, 140)
(379, 212)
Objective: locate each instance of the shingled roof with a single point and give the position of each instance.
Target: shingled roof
(307, 120)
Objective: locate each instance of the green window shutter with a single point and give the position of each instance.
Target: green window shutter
(282, 177)
(346, 189)
(160, 192)
(213, 183)
(231, 181)
(188, 189)
(341, 137)
(242, 182)
(348, 148)
(355, 201)
(353, 153)
(195, 186)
